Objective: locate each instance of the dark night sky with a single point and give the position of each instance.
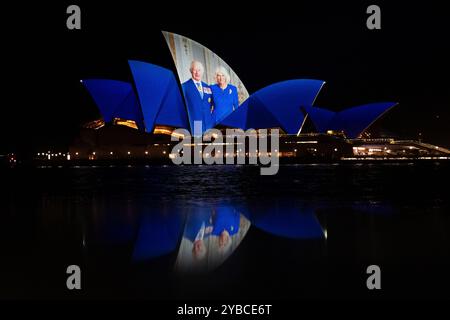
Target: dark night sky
(407, 61)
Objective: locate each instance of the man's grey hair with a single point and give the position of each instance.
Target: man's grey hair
(195, 62)
(201, 254)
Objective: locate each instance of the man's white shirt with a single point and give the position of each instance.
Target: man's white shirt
(199, 87)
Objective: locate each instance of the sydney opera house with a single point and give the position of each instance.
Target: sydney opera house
(139, 118)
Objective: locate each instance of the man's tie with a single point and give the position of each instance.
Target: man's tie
(199, 87)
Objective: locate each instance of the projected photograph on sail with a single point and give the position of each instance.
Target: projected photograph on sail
(212, 90)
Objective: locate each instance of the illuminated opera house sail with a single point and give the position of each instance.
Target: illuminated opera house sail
(208, 90)
(158, 100)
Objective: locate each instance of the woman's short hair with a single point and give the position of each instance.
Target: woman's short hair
(226, 248)
(223, 71)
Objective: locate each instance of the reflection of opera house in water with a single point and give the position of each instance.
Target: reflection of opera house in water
(138, 120)
(203, 237)
(200, 238)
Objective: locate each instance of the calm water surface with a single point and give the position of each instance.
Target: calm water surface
(308, 232)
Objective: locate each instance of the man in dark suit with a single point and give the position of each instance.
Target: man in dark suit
(198, 97)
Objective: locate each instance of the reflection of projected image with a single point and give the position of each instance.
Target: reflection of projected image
(211, 89)
(210, 236)
(226, 222)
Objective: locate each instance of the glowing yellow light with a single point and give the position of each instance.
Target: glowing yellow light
(111, 152)
(146, 152)
(126, 123)
(159, 130)
(129, 152)
(177, 135)
(96, 124)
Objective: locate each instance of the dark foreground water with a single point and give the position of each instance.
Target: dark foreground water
(308, 232)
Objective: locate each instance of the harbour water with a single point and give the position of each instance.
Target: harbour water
(308, 232)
